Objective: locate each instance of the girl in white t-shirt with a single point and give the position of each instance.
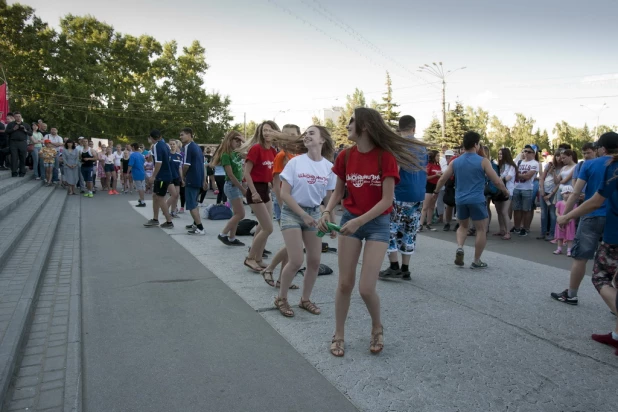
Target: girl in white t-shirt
(306, 180)
(507, 173)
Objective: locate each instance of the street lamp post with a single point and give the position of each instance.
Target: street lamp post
(437, 70)
(598, 113)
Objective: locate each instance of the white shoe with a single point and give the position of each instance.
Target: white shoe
(197, 231)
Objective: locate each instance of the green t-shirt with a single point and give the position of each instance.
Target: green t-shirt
(235, 161)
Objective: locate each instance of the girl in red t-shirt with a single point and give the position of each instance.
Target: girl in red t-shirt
(369, 170)
(434, 171)
(258, 173)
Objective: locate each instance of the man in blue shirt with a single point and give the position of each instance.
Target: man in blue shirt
(605, 271)
(407, 207)
(161, 179)
(471, 172)
(193, 178)
(590, 228)
(136, 168)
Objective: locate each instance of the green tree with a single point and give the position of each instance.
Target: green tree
(499, 135)
(433, 132)
(316, 121)
(387, 108)
(541, 140)
(603, 128)
(330, 125)
(521, 131)
(456, 126)
(357, 99)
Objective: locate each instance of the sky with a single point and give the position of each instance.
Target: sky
(551, 60)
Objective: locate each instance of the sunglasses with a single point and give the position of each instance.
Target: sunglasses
(528, 151)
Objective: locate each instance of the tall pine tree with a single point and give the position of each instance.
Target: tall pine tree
(456, 126)
(433, 132)
(388, 106)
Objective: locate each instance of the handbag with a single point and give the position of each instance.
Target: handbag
(30, 148)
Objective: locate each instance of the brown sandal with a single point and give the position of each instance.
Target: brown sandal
(336, 347)
(284, 307)
(292, 286)
(377, 342)
(261, 264)
(268, 280)
(309, 307)
(252, 267)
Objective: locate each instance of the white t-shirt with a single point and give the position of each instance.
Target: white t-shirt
(109, 159)
(117, 157)
(508, 170)
(310, 180)
(524, 167)
(55, 139)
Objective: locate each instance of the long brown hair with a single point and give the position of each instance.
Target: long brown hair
(258, 136)
(507, 158)
(295, 145)
(226, 146)
(385, 138)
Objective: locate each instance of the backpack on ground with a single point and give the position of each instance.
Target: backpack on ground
(246, 227)
(219, 212)
(323, 270)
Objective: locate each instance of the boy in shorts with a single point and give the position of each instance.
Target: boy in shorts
(136, 169)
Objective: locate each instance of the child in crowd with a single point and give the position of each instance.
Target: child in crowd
(564, 233)
(48, 153)
(149, 168)
(127, 181)
(137, 172)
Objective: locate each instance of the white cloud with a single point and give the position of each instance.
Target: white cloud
(483, 98)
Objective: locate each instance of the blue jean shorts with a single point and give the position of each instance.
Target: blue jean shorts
(587, 237)
(290, 220)
(522, 200)
(191, 194)
(377, 230)
(474, 211)
(231, 191)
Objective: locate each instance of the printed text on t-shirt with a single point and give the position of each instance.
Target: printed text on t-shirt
(360, 180)
(311, 179)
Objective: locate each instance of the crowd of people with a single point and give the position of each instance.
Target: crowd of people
(389, 185)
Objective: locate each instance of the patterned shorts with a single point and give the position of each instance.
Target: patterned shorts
(605, 267)
(405, 222)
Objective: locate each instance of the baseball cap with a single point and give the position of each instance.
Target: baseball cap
(449, 152)
(608, 140)
(47, 141)
(529, 146)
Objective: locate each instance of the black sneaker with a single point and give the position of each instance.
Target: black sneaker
(405, 276)
(224, 240)
(447, 227)
(196, 231)
(167, 225)
(390, 273)
(235, 242)
(459, 257)
(431, 229)
(564, 297)
(523, 232)
(514, 229)
(267, 252)
(190, 226)
(152, 223)
(140, 205)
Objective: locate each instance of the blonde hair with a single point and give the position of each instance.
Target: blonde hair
(226, 146)
(381, 135)
(258, 136)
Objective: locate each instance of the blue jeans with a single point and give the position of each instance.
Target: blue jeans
(548, 215)
(55, 174)
(277, 209)
(36, 160)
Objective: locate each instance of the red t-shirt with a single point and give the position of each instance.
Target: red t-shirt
(263, 160)
(432, 168)
(362, 177)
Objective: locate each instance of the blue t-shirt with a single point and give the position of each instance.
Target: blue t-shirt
(593, 172)
(195, 159)
(469, 179)
(161, 155)
(136, 161)
(176, 163)
(609, 190)
(411, 186)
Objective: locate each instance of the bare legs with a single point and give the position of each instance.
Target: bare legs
(480, 239)
(232, 224)
(263, 213)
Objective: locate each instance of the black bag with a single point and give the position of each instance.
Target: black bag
(323, 270)
(245, 227)
(449, 194)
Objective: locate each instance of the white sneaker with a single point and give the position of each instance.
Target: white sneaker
(197, 231)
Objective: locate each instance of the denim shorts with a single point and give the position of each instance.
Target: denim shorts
(48, 164)
(377, 230)
(587, 237)
(231, 191)
(191, 194)
(290, 220)
(522, 200)
(474, 211)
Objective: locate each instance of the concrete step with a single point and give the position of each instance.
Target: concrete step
(5, 174)
(14, 225)
(10, 200)
(19, 281)
(6, 185)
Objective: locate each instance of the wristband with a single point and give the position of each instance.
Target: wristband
(325, 212)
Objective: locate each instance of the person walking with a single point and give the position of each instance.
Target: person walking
(434, 171)
(19, 133)
(369, 171)
(193, 178)
(471, 172)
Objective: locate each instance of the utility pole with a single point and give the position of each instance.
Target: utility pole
(437, 70)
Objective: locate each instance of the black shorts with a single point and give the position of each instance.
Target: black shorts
(109, 168)
(176, 182)
(263, 191)
(430, 187)
(160, 188)
(210, 171)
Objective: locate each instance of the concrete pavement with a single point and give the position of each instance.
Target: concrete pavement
(456, 339)
(162, 333)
